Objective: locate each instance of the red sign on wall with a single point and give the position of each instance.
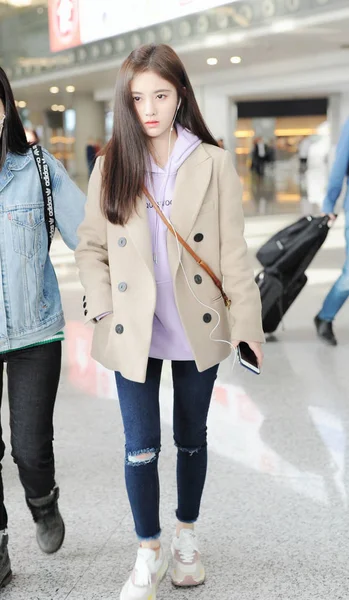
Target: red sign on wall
(64, 24)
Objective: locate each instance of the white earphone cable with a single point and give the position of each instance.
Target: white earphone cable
(199, 301)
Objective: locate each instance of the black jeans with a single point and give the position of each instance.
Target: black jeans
(33, 377)
(139, 404)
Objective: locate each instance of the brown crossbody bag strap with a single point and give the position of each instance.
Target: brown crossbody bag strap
(197, 258)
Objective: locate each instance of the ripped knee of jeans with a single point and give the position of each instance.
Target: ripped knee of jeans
(142, 457)
(190, 450)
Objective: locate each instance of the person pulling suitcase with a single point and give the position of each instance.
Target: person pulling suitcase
(339, 292)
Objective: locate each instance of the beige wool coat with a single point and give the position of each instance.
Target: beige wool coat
(207, 201)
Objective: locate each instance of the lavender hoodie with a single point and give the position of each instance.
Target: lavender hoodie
(169, 340)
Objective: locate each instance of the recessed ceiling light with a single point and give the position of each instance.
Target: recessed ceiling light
(212, 61)
(70, 89)
(22, 104)
(54, 107)
(236, 60)
(61, 108)
(54, 89)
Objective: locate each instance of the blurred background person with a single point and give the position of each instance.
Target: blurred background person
(91, 154)
(259, 156)
(303, 152)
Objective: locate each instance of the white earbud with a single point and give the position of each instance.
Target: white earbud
(174, 118)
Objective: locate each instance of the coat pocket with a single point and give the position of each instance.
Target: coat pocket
(27, 228)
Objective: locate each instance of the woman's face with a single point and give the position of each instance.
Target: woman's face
(155, 101)
(2, 117)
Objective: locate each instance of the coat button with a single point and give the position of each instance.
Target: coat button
(84, 305)
(207, 318)
(122, 287)
(84, 299)
(119, 329)
(198, 237)
(85, 312)
(198, 279)
(122, 242)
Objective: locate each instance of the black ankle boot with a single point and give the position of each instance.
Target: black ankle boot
(5, 564)
(325, 331)
(50, 528)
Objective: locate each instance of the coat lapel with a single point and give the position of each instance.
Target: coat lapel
(193, 179)
(138, 229)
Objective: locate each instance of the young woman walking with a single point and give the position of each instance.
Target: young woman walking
(31, 316)
(163, 180)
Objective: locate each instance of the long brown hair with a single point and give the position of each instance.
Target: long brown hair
(13, 138)
(127, 153)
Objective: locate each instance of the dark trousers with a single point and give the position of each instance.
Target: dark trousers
(139, 404)
(33, 377)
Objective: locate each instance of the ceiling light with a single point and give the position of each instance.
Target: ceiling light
(22, 104)
(236, 60)
(212, 61)
(70, 89)
(283, 26)
(54, 89)
(19, 3)
(61, 108)
(54, 107)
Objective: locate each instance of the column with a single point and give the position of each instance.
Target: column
(219, 112)
(90, 124)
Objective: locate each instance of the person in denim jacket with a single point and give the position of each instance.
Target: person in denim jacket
(31, 320)
(340, 290)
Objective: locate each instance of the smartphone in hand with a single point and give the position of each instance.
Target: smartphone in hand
(247, 358)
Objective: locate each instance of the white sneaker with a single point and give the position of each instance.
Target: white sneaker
(146, 576)
(188, 569)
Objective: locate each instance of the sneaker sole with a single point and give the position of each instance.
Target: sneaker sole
(7, 579)
(188, 580)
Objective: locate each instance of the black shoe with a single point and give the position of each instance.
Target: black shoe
(5, 564)
(325, 331)
(50, 530)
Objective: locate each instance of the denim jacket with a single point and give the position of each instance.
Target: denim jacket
(339, 173)
(30, 303)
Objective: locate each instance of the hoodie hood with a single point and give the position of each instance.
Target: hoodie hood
(161, 182)
(185, 144)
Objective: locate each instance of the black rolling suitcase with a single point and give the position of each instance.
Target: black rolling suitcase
(276, 298)
(285, 257)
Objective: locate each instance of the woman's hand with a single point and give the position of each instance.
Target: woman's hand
(256, 347)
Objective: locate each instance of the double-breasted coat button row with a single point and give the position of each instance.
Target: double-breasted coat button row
(122, 287)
